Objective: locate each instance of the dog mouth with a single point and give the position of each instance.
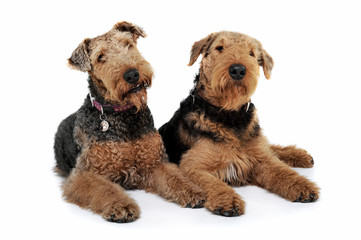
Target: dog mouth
(138, 88)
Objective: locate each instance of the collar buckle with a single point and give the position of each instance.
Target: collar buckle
(91, 99)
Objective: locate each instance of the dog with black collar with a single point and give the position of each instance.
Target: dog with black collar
(215, 135)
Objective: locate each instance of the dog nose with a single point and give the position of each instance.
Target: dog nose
(131, 76)
(237, 71)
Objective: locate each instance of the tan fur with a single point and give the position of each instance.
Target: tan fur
(239, 158)
(111, 68)
(92, 191)
(111, 55)
(141, 164)
(293, 156)
(128, 163)
(214, 75)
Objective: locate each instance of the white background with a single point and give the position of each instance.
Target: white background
(312, 100)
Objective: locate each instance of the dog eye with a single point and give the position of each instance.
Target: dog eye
(219, 48)
(101, 58)
(251, 53)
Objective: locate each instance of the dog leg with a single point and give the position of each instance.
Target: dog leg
(292, 156)
(169, 182)
(277, 177)
(204, 166)
(92, 191)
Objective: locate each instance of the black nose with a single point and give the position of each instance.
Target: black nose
(237, 71)
(131, 76)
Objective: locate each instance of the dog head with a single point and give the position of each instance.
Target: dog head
(116, 67)
(229, 68)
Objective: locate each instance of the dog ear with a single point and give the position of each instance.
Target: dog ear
(267, 64)
(265, 60)
(80, 59)
(200, 47)
(135, 30)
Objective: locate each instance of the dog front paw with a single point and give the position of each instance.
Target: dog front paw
(226, 204)
(305, 192)
(307, 198)
(120, 213)
(194, 198)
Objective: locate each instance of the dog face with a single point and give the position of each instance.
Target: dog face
(115, 65)
(229, 68)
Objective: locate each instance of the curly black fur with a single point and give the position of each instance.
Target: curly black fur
(237, 121)
(65, 147)
(125, 126)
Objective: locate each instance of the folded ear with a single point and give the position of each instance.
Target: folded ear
(266, 63)
(200, 47)
(135, 30)
(264, 60)
(80, 59)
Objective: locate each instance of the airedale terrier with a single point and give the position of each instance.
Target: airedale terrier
(215, 135)
(111, 143)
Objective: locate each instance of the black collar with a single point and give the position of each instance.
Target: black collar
(197, 97)
(233, 119)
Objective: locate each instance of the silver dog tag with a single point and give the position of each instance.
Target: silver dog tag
(104, 126)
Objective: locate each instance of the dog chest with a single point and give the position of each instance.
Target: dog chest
(127, 163)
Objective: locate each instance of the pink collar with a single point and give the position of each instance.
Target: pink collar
(109, 108)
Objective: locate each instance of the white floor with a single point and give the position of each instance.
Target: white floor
(312, 100)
